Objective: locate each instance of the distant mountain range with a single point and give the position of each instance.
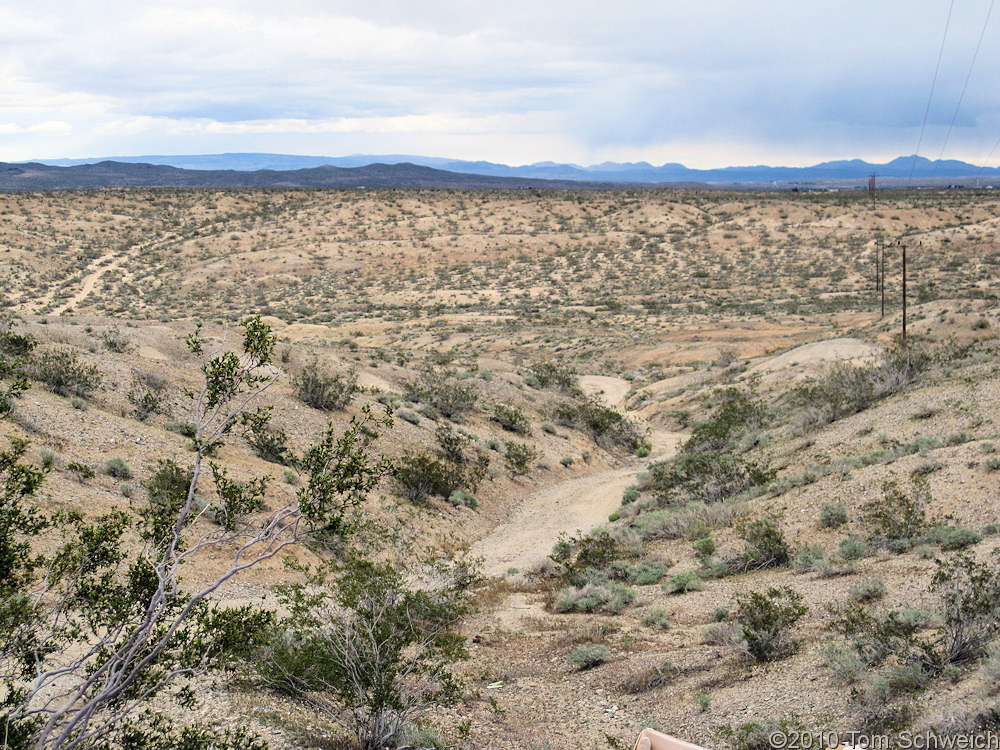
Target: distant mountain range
(396, 170)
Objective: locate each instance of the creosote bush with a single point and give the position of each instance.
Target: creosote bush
(64, 372)
(324, 391)
(766, 621)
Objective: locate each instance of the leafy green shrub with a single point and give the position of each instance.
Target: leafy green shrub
(630, 495)
(511, 419)
(519, 457)
(707, 477)
(897, 515)
(449, 395)
(867, 589)
(611, 597)
(644, 574)
(567, 461)
(766, 620)
(684, 582)
(459, 498)
(656, 618)
(65, 374)
(953, 537)
(967, 619)
(704, 548)
(378, 650)
(422, 475)
(736, 415)
(267, 441)
(81, 470)
(115, 341)
(607, 426)
(832, 515)
(236, 499)
(117, 468)
(323, 391)
(588, 657)
(181, 428)
(553, 375)
(766, 546)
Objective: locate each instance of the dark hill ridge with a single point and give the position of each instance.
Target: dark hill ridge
(34, 176)
(854, 172)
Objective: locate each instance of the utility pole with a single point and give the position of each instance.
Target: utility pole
(904, 294)
(883, 280)
(871, 186)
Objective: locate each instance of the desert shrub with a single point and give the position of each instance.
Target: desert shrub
(848, 388)
(323, 391)
(630, 495)
(867, 589)
(14, 347)
(367, 650)
(611, 597)
(574, 556)
(656, 618)
(808, 559)
(511, 419)
(548, 427)
(553, 375)
(147, 395)
(236, 499)
(897, 515)
(650, 678)
(519, 457)
(766, 546)
(115, 341)
(607, 426)
(953, 537)
(684, 582)
(588, 657)
(736, 415)
(853, 547)
(832, 515)
(708, 477)
(267, 441)
(567, 461)
(65, 374)
(82, 470)
(845, 664)
(181, 428)
(443, 390)
(645, 573)
(467, 499)
(766, 620)
(704, 548)
(409, 416)
(967, 619)
(117, 468)
(756, 735)
(421, 475)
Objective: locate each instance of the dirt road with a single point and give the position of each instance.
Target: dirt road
(576, 505)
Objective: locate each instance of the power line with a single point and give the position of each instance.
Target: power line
(964, 87)
(937, 68)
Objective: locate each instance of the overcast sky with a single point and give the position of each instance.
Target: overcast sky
(703, 82)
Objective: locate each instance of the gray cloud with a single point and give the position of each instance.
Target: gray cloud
(516, 82)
